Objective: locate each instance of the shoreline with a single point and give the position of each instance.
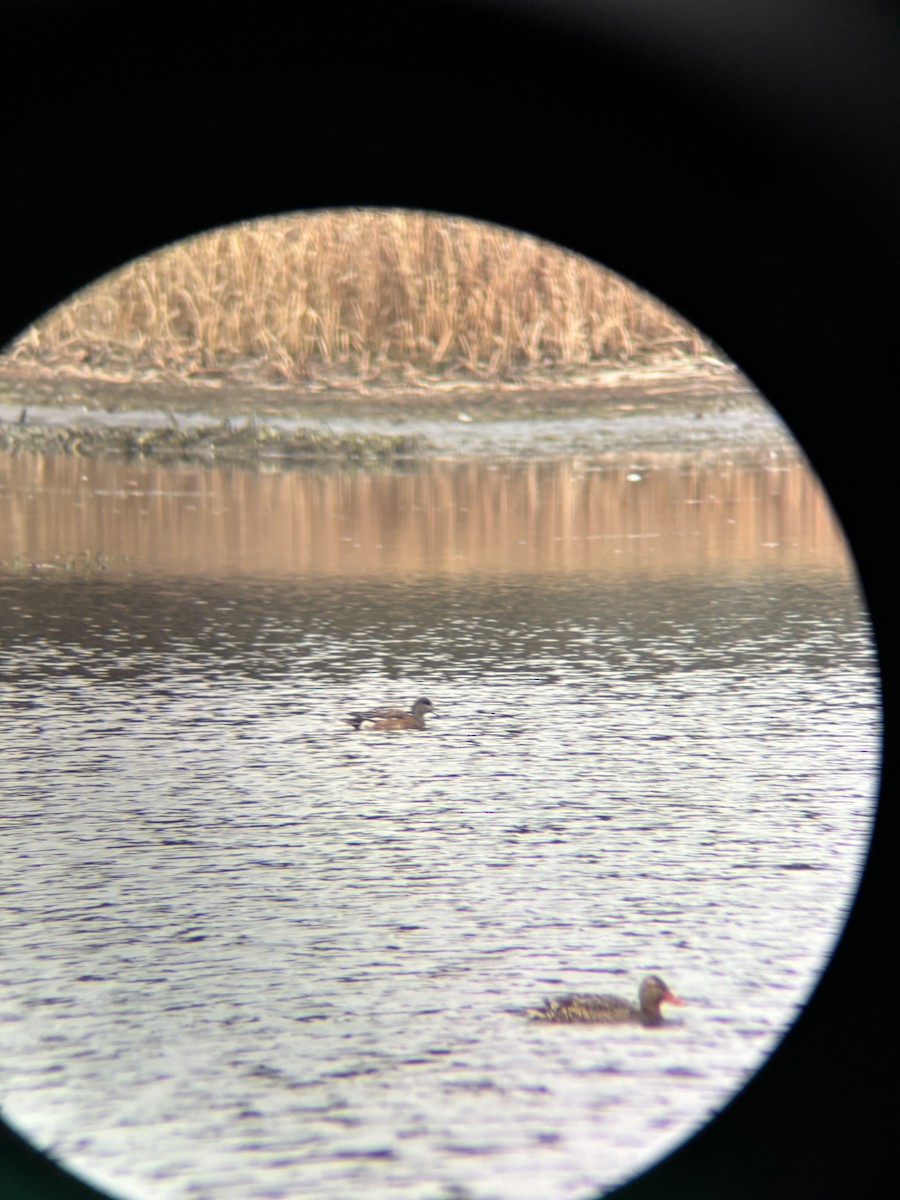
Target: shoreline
(91, 412)
(113, 381)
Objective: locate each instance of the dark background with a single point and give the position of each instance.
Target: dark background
(738, 158)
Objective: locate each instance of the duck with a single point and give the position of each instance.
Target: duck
(392, 718)
(609, 1010)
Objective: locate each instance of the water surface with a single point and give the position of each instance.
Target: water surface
(250, 953)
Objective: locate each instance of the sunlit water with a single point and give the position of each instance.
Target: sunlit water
(251, 953)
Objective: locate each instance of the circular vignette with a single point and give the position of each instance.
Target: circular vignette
(707, 162)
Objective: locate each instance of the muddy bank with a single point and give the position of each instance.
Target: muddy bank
(690, 405)
(120, 386)
(223, 442)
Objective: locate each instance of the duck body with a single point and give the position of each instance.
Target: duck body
(392, 718)
(609, 1010)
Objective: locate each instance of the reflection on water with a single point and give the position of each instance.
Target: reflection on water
(250, 953)
(654, 515)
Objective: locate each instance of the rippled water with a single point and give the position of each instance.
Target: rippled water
(251, 953)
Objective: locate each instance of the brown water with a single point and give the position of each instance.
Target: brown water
(251, 953)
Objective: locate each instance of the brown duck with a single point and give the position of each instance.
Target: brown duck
(392, 718)
(609, 1010)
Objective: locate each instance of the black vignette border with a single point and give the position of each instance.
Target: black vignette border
(738, 159)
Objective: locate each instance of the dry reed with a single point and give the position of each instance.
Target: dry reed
(361, 294)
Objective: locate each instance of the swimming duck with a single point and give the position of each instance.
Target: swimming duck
(392, 718)
(609, 1010)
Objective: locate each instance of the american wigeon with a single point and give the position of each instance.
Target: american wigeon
(392, 718)
(609, 1010)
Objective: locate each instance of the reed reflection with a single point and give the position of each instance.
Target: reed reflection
(653, 515)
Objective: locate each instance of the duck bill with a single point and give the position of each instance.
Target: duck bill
(671, 998)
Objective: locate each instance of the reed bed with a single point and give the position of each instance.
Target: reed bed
(362, 295)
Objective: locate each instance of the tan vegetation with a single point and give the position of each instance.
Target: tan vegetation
(359, 296)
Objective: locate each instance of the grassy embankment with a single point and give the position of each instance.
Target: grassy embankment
(346, 303)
